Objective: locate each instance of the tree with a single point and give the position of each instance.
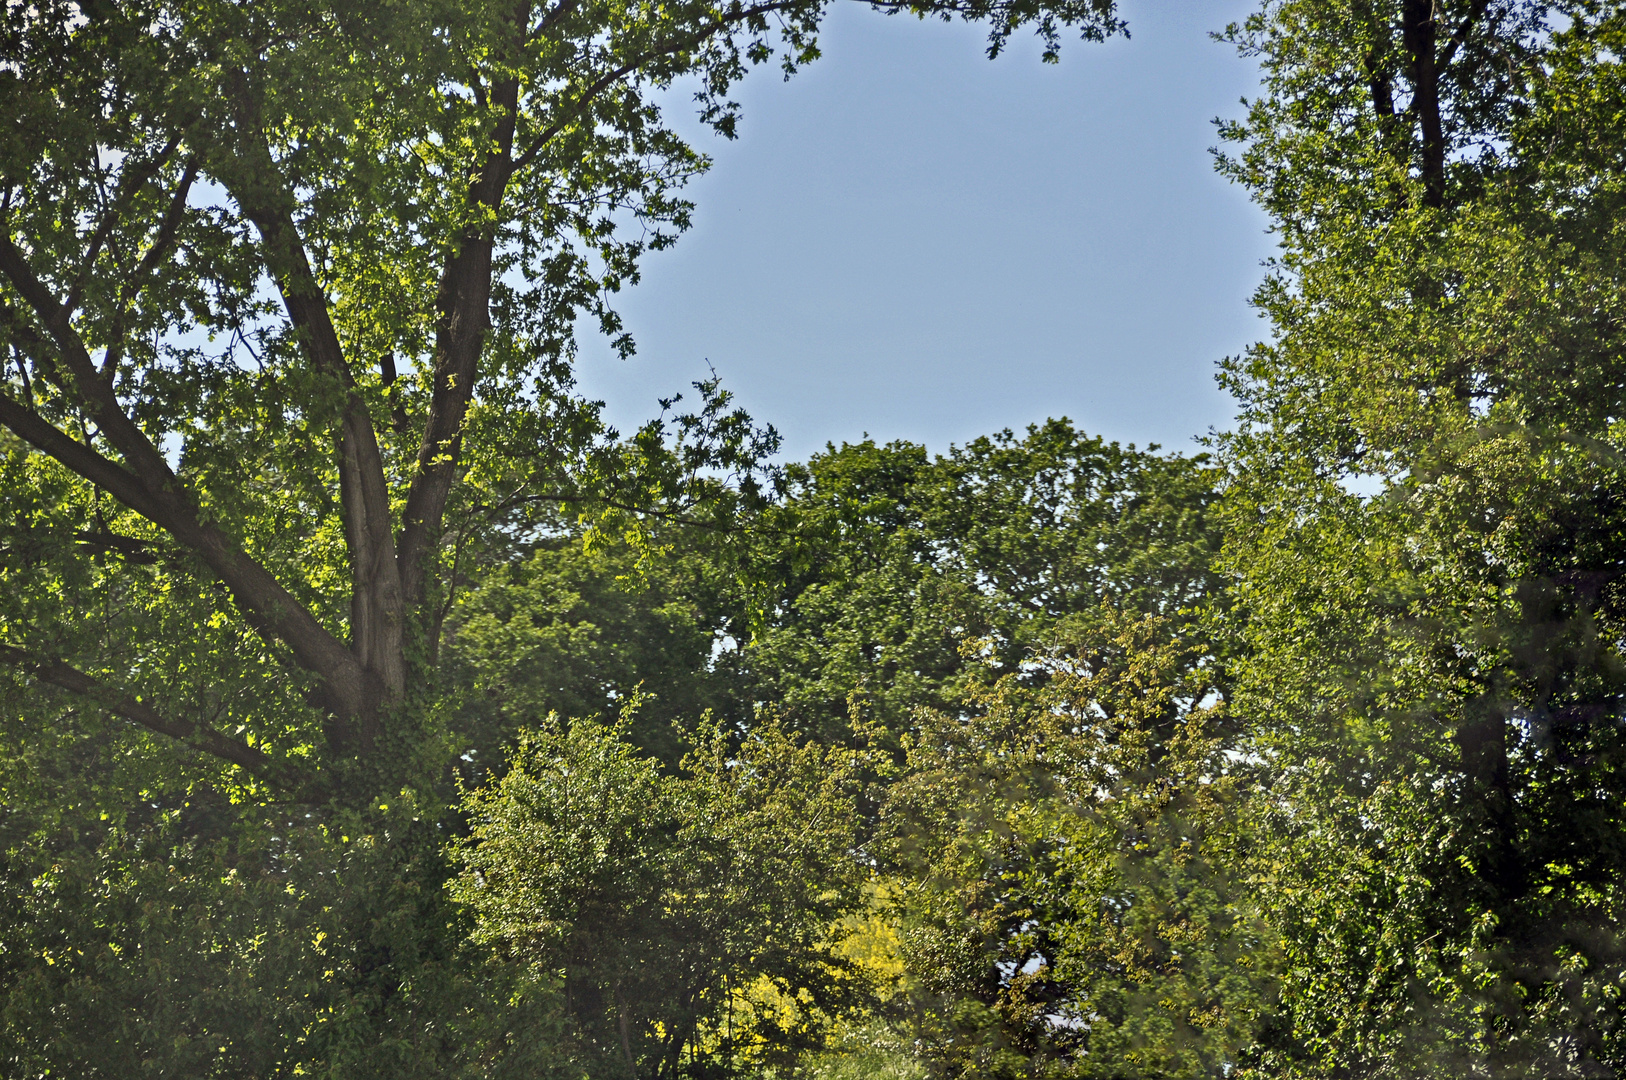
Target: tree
(288, 293)
(1434, 671)
(856, 583)
(1073, 855)
(556, 627)
(430, 224)
(883, 560)
(690, 921)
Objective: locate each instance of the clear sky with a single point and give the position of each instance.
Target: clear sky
(913, 241)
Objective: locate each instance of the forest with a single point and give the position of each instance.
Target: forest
(370, 707)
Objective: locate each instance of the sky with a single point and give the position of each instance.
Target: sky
(911, 241)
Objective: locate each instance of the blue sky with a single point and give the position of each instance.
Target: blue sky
(913, 241)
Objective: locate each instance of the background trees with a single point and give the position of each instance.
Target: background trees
(691, 923)
(1071, 881)
(1040, 757)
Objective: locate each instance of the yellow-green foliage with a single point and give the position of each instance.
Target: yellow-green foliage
(685, 918)
(1076, 906)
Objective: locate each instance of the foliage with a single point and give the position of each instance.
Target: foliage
(1433, 672)
(1072, 903)
(287, 302)
(888, 559)
(303, 525)
(854, 581)
(689, 919)
(578, 632)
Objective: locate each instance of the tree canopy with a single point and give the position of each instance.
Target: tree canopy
(369, 707)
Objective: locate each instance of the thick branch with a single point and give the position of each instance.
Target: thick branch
(465, 293)
(376, 605)
(157, 495)
(1419, 33)
(463, 303)
(75, 681)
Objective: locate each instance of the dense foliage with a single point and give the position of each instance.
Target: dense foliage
(1068, 860)
(689, 923)
(369, 708)
(287, 298)
(1424, 521)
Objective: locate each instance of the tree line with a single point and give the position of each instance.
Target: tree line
(372, 708)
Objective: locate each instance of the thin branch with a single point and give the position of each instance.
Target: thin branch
(1460, 36)
(131, 184)
(132, 549)
(561, 11)
(676, 517)
(67, 677)
(574, 110)
(22, 371)
(162, 244)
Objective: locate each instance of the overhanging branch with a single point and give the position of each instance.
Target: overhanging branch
(69, 678)
(147, 485)
(268, 606)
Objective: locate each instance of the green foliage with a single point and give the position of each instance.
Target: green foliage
(184, 934)
(287, 302)
(1433, 673)
(889, 559)
(302, 524)
(575, 632)
(855, 582)
(1072, 901)
(690, 922)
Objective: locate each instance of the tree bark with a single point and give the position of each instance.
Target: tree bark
(1419, 32)
(69, 678)
(1483, 747)
(464, 308)
(377, 603)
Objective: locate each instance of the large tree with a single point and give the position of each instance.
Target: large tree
(288, 293)
(1425, 516)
